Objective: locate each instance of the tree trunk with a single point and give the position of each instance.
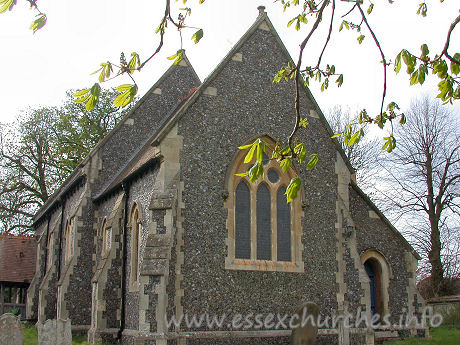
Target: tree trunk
(434, 256)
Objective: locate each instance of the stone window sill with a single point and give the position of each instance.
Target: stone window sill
(264, 265)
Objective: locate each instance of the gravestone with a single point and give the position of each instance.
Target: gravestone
(54, 332)
(307, 331)
(11, 330)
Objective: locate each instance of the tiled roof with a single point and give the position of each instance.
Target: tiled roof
(145, 155)
(17, 258)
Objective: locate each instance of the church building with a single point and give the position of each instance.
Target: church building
(155, 224)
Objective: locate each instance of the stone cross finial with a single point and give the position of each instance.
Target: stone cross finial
(261, 10)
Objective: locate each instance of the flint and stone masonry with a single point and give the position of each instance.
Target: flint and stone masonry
(151, 212)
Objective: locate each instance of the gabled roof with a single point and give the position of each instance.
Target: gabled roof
(77, 175)
(145, 157)
(17, 258)
(384, 219)
(260, 19)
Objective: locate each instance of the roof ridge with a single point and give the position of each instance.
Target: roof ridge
(262, 17)
(18, 236)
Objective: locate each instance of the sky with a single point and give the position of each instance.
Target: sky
(37, 69)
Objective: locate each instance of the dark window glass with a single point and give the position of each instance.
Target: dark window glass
(283, 226)
(264, 245)
(371, 274)
(242, 221)
(273, 176)
(265, 158)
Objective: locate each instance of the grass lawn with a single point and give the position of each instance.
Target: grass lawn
(30, 337)
(439, 336)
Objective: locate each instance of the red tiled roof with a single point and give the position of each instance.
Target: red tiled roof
(17, 258)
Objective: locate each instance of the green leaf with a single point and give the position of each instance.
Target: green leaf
(440, 68)
(256, 171)
(390, 143)
(128, 92)
(422, 72)
(81, 93)
(197, 36)
(38, 23)
(402, 121)
(285, 164)
(106, 68)
(6, 5)
(344, 23)
(409, 60)
(161, 28)
(325, 84)
(455, 68)
(297, 25)
(371, 7)
(177, 57)
(244, 147)
(398, 62)
(300, 151)
(259, 155)
(422, 9)
(291, 21)
(293, 189)
(303, 122)
(303, 18)
(243, 174)
(250, 154)
(312, 161)
(446, 89)
(89, 96)
(331, 69)
(425, 52)
(360, 39)
(134, 63)
(414, 78)
(339, 80)
(355, 138)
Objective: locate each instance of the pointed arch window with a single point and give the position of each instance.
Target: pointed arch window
(264, 232)
(134, 262)
(69, 240)
(106, 238)
(50, 249)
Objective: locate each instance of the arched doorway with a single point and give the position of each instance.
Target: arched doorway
(379, 272)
